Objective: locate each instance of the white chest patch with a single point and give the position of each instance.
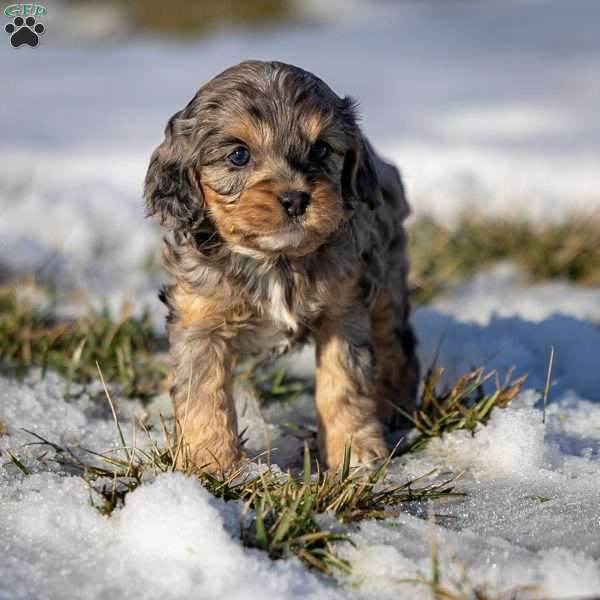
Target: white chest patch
(279, 311)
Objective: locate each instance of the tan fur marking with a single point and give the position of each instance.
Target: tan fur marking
(194, 309)
(206, 418)
(203, 401)
(345, 397)
(258, 213)
(253, 132)
(313, 124)
(346, 408)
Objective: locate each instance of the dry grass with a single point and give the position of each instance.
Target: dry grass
(442, 256)
(30, 336)
(279, 509)
(464, 405)
(202, 15)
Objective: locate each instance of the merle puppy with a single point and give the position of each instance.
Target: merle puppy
(284, 225)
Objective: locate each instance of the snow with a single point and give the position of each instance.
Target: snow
(516, 342)
(172, 540)
(490, 106)
(530, 515)
(483, 105)
(497, 293)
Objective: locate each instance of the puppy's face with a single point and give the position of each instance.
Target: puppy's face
(271, 157)
(272, 181)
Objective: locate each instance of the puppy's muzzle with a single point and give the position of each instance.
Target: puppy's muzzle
(295, 202)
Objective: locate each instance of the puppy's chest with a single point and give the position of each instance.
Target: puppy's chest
(280, 308)
(284, 312)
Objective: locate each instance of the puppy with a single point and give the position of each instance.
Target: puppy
(284, 225)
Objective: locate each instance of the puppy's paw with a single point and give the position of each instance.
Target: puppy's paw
(366, 447)
(216, 460)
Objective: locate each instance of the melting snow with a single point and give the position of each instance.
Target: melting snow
(530, 515)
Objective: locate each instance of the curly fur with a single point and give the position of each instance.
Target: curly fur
(248, 278)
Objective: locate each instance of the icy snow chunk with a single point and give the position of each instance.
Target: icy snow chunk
(568, 575)
(38, 404)
(172, 540)
(180, 537)
(390, 556)
(510, 445)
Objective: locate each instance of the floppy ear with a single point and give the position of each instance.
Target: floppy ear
(171, 190)
(392, 187)
(359, 175)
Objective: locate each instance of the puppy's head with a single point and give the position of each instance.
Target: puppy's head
(267, 155)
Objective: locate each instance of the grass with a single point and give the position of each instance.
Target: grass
(285, 507)
(125, 347)
(442, 256)
(279, 509)
(202, 15)
(464, 405)
(272, 385)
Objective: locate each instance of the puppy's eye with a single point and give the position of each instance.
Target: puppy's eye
(319, 150)
(239, 157)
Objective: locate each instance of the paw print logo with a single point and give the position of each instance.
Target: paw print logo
(24, 31)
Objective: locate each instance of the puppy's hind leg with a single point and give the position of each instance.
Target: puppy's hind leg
(397, 376)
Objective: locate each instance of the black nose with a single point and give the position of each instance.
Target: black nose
(295, 202)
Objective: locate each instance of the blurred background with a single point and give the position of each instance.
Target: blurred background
(489, 108)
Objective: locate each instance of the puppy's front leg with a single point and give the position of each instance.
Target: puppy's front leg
(345, 400)
(206, 421)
